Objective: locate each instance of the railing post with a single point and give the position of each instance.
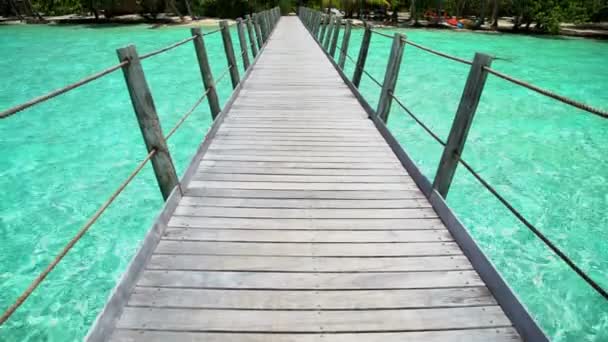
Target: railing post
(250, 30)
(258, 30)
(345, 41)
(330, 30)
(229, 49)
(243, 42)
(334, 42)
(367, 37)
(390, 77)
(462, 123)
(317, 24)
(262, 22)
(149, 124)
(268, 27)
(324, 19)
(206, 75)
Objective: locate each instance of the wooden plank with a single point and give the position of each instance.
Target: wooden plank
(303, 203)
(281, 235)
(219, 141)
(368, 156)
(303, 194)
(312, 321)
(305, 224)
(243, 148)
(302, 186)
(310, 300)
(468, 335)
(377, 167)
(240, 177)
(318, 213)
(308, 249)
(309, 281)
(205, 169)
(306, 264)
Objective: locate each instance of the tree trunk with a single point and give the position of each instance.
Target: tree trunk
(495, 15)
(460, 7)
(32, 11)
(15, 10)
(413, 12)
(439, 11)
(187, 2)
(175, 10)
(395, 15)
(482, 15)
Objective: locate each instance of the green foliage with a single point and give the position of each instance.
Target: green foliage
(541, 15)
(287, 6)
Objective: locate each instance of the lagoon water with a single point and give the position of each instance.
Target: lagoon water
(59, 161)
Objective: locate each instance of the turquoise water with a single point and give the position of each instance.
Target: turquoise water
(548, 159)
(59, 162)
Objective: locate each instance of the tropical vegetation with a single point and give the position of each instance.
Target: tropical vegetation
(540, 15)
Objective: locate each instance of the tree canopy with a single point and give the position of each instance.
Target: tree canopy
(541, 15)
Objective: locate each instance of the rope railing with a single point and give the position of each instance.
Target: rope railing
(535, 230)
(186, 115)
(560, 98)
(466, 110)
(223, 74)
(212, 32)
(365, 72)
(137, 87)
(167, 48)
(57, 92)
(13, 110)
(422, 124)
(427, 49)
(382, 34)
(510, 207)
(438, 53)
(7, 314)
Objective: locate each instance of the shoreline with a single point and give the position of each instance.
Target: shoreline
(588, 31)
(129, 19)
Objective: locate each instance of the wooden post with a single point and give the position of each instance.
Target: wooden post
(330, 30)
(143, 105)
(243, 42)
(334, 42)
(317, 24)
(250, 31)
(229, 49)
(323, 28)
(267, 23)
(367, 37)
(258, 30)
(462, 123)
(206, 75)
(390, 77)
(262, 25)
(345, 41)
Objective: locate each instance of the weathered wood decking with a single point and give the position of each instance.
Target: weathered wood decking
(302, 225)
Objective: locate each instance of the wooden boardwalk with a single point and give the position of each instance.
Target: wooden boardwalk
(302, 225)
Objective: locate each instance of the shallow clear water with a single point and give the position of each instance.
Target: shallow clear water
(548, 159)
(59, 162)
